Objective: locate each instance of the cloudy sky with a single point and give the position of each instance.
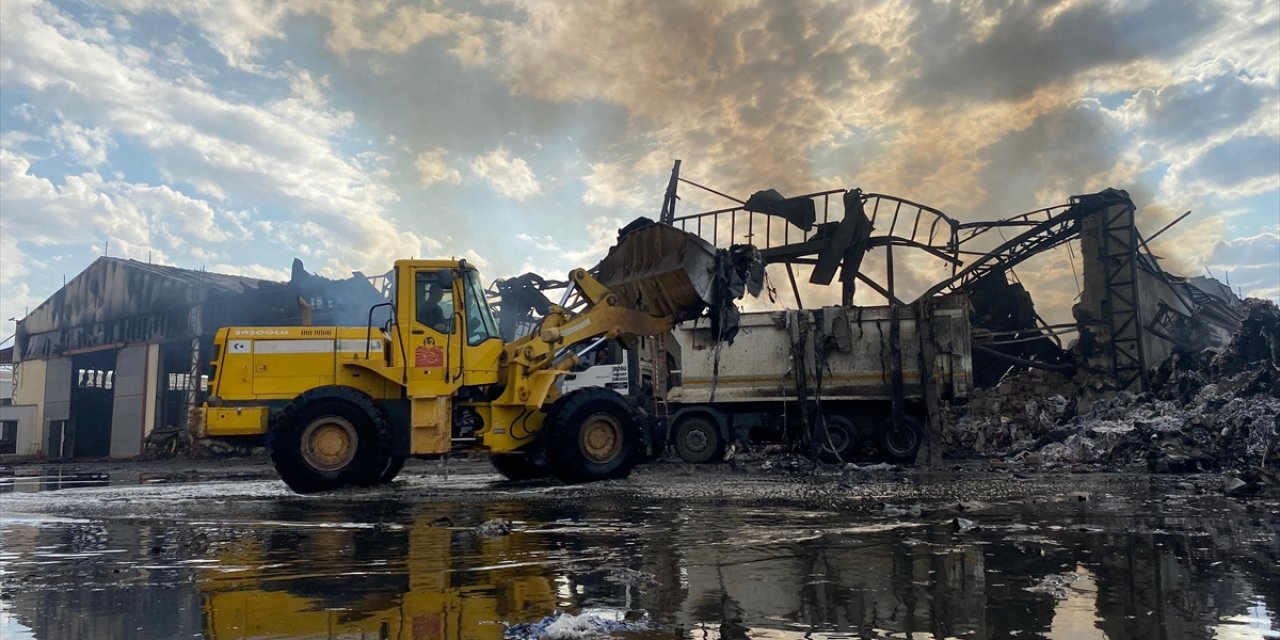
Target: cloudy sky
(234, 135)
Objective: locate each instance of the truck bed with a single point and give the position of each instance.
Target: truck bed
(854, 343)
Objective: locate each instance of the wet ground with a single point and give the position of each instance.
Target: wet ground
(222, 550)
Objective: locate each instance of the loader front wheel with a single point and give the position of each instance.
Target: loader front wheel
(324, 443)
(394, 465)
(594, 435)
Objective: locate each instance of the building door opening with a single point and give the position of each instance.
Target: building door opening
(175, 384)
(92, 399)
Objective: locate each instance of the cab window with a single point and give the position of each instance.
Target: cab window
(433, 298)
(480, 323)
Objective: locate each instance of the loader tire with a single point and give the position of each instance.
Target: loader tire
(697, 439)
(517, 466)
(593, 435)
(901, 444)
(839, 441)
(394, 465)
(330, 437)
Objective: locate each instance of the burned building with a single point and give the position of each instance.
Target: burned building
(1132, 314)
(122, 349)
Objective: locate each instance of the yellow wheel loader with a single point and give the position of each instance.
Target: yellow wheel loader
(416, 592)
(342, 406)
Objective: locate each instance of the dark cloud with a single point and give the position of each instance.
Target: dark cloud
(1237, 161)
(1191, 110)
(1022, 47)
(1067, 151)
(710, 81)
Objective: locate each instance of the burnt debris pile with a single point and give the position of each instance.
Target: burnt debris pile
(1204, 411)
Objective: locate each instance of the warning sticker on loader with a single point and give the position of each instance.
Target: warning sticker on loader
(428, 357)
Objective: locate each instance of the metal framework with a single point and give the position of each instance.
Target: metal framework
(909, 224)
(1118, 253)
(899, 222)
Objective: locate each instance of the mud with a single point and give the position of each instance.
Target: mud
(223, 550)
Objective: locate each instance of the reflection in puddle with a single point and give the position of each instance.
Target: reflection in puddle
(1255, 624)
(1076, 616)
(52, 482)
(259, 565)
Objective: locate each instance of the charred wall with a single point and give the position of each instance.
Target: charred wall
(161, 320)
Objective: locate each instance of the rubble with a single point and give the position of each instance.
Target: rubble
(590, 623)
(1056, 585)
(1257, 340)
(1252, 482)
(962, 525)
(1205, 411)
(1013, 416)
(494, 528)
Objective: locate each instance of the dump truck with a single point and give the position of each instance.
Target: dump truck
(342, 406)
(715, 393)
(827, 372)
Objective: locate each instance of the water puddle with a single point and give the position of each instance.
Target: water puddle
(51, 482)
(248, 560)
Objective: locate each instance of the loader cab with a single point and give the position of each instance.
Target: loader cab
(445, 336)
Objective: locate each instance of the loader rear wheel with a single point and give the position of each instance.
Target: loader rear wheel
(329, 443)
(516, 466)
(900, 444)
(698, 440)
(594, 435)
(330, 438)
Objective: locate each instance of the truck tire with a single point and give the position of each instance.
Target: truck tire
(697, 439)
(331, 437)
(516, 466)
(592, 434)
(839, 441)
(902, 443)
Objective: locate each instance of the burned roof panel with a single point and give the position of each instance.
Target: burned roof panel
(117, 301)
(115, 288)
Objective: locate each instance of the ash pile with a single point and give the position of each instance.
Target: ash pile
(1205, 411)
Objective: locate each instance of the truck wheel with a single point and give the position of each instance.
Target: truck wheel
(594, 435)
(516, 466)
(840, 441)
(323, 443)
(698, 440)
(901, 444)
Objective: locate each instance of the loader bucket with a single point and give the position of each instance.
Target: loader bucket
(661, 270)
